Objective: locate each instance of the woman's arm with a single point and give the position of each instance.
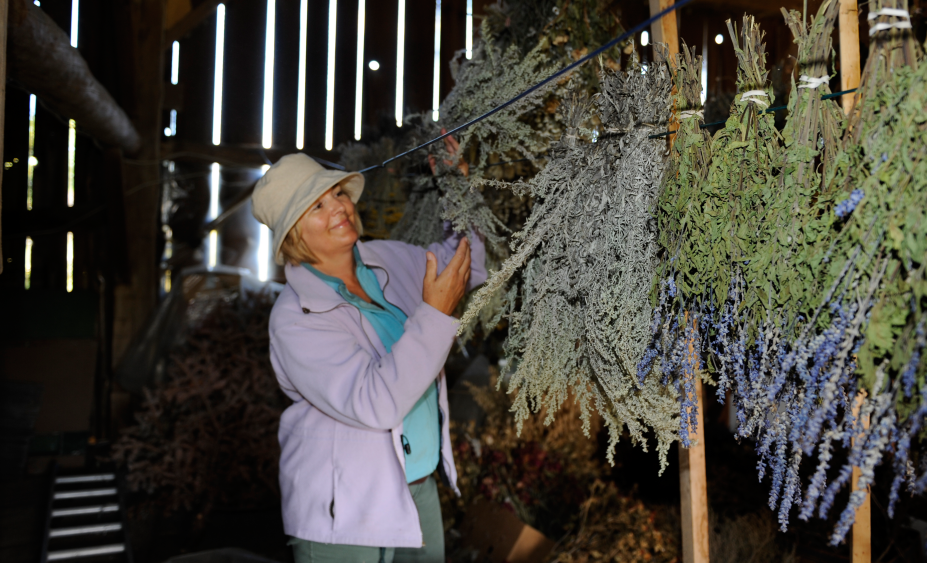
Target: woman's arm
(329, 368)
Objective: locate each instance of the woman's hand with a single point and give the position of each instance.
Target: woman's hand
(445, 291)
(452, 146)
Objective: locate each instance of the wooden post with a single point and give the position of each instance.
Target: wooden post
(4, 10)
(693, 486)
(862, 525)
(849, 52)
(849, 78)
(665, 30)
(134, 301)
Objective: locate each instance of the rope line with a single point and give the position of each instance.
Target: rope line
(634, 30)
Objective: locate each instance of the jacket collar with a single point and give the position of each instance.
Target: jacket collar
(315, 295)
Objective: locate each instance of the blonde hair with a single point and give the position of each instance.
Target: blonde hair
(294, 248)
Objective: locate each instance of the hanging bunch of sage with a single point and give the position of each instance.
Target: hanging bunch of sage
(579, 274)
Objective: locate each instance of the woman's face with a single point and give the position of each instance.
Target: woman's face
(328, 226)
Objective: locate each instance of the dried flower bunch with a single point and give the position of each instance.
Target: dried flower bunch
(687, 171)
(579, 308)
(207, 436)
(709, 211)
(521, 43)
(384, 196)
(872, 295)
(797, 275)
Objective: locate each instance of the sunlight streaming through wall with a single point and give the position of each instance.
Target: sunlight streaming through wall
(436, 90)
(359, 80)
(400, 58)
(70, 262)
(217, 80)
(330, 83)
(267, 139)
(301, 87)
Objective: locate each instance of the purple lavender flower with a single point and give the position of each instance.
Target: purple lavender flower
(845, 207)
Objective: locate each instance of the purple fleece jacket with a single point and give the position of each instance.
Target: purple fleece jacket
(342, 468)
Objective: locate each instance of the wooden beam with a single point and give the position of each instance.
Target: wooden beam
(4, 12)
(174, 11)
(849, 52)
(665, 30)
(693, 489)
(41, 59)
(141, 34)
(53, 220)
(230, 155)
(848, 20)
(862, 524)
(191, 21)
(693, 484)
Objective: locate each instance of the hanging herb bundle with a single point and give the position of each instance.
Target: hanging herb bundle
(709, 221)
(687, 172)
(492, 76)
(585, 261)
(773, 397)
(867, 332)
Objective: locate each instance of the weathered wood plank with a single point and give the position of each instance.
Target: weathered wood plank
(134, 301)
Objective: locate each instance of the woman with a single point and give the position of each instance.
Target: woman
(358, 340)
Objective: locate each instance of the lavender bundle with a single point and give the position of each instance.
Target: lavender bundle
(709, 212)
(872, 273)
(775, 390)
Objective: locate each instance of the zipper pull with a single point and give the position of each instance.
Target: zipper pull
(405, 444)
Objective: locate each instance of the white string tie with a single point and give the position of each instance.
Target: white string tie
(685, 114)
(751, 97)
(812, 82)
(892, 13)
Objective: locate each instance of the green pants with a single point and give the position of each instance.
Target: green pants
(429, 516)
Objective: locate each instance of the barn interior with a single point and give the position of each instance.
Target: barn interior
(136, 285)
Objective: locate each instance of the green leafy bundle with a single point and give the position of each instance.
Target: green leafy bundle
(709, 212)
(679, 196)
(580, 306)
(873, 272)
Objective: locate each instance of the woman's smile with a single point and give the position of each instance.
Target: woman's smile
(344, 223)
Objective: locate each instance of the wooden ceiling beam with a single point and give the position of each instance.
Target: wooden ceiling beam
(41, 59)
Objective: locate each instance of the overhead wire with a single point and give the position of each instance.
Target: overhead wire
(631, 32)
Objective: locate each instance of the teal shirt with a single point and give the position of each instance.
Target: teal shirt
(421, 438)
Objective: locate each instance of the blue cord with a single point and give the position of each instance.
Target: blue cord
(634, 30)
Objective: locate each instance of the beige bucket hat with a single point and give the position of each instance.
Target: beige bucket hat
(290, 187)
